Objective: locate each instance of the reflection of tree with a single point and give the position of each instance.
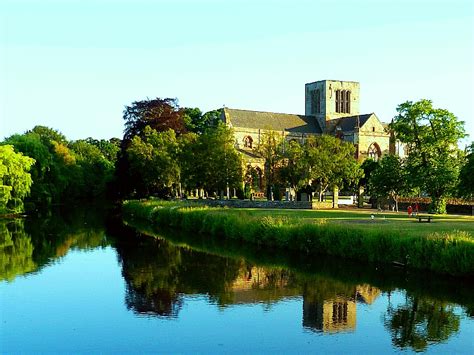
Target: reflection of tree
(420, 321)
(16, 250)
(157, 273)
(26, 245)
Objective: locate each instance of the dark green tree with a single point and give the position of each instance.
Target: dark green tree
(466, 184)
(154, 158)
(330, 163)
(389, 179)
(434, 160)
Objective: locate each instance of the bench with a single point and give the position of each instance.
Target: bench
(258, 195)
(424, 219)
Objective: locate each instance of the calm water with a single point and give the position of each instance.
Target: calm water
(79, 283)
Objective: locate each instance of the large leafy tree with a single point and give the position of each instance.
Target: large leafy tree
(466, 185)
(431, 136)
(212, 162)
(54, 173)
(153, 157)
(158, 114)
(330, 163)
(93, 170)
(15, 179)
(389, 179)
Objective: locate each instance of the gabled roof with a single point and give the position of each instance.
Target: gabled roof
(272, 121)
(349, 123)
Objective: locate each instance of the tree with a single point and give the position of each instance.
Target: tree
(466, 184)
(330, 162)
(389, 179)
(154, 159)
(431, 136)
(15, 179)
(198, 122)
(270, 148)
(159, 114)
(213, 163)
(93, 170)
(293, 170)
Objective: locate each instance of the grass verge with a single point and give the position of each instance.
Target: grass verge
(443, 248)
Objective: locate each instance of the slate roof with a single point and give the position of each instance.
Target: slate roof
(349, 123)
(273, 121)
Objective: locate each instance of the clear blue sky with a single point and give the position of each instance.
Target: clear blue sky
(74, 64)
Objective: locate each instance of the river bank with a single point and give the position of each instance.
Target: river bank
(445, 246)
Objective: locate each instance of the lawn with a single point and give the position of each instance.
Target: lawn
(361, 218)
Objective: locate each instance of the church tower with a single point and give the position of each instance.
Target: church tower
(330, 99)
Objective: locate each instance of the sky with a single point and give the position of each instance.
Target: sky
(74, 65)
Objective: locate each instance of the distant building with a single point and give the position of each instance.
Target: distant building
(331, 107)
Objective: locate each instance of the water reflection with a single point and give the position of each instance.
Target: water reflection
(158, 274)
(421, 321)
(162, 269)
(28, 245)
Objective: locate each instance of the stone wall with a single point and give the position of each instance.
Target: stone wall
(302, 205)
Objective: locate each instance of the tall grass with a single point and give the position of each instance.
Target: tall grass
(446, 252)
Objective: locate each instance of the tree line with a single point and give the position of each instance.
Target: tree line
(168, 151)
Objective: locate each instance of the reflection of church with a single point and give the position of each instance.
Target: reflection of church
(327, 314)
(331, 107)
(338, 313)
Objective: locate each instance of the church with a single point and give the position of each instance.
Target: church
(331, 107)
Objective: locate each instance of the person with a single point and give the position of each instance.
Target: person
(409, 210)
(416, 208)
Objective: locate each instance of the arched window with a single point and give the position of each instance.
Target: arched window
(374, 152)
(248, 142)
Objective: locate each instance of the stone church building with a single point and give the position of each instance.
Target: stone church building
(331, 107)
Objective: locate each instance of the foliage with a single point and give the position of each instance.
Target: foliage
(431, 136)
(368, 166)
(211, 161)
(294, 170)
(154, 159)
(389, 179)
(160, 114)
(108, 148)
(15, 179)
(64, 170)
(466, 183)
(270, 149)
(330, 163)
(198, 122)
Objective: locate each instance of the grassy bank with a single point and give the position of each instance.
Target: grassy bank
(444, 246)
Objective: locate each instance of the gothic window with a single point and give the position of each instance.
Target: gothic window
(374, 152)
(343, 101)
(248, 142)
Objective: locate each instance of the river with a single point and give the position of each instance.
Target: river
(80, 281)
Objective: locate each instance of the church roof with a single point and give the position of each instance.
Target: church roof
(349, 123)
(273, 121)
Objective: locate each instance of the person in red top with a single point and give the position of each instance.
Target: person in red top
(416, 208)
(409, 210)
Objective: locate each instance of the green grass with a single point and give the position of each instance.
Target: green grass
(446, 245)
